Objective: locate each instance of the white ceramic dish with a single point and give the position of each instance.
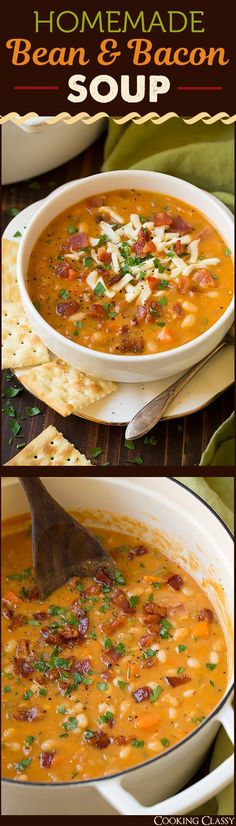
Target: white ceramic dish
(153, 787)
(120, 408)
(105, 365)
(32, 148)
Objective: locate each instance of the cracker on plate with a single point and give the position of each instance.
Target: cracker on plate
(21, 347)
(49, 448)
(10, 289)
(64, 388)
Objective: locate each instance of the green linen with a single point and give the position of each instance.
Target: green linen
(220, 450)
(218, 492)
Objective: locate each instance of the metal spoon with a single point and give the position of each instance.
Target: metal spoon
(61, 547)
(153, 411)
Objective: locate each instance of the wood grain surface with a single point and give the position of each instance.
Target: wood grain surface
(179, 442)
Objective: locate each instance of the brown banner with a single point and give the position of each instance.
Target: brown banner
(94, 58)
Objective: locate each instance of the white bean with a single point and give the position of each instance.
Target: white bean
(161, 656)
(172, 713)
(187, 305)
(192, 663)
(213, 294)
(180, 633)
(82, 720)
(155, 745)
(214, 657)
(189, 320)
(105, 707)
(188, 693)
(13, 746)
(125, 752)
(188, 592)
(8, 732)
(48, 745)
(10, 646)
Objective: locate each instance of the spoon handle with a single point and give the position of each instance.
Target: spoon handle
(44, 509)
(153, 411)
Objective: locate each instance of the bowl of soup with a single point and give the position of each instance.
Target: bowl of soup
(113, 691)
(129, 275)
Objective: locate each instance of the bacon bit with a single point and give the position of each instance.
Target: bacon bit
(76, 609)
(17, 621)
(82, 666)
(152, 609)
(29, 714)
(203, 278)
(103, 255)
(142, 693)
(140, 550)
(83, 626)
(175, 581)
(111, 656)
(93, 589)
(120, 740)
(40, 615)
(183, 284)
(178, 309)
(162, 219)
(23, 649)
(96, 201)
(141, 312)
(69, 632)
(205, 233)
(97, 311)
(111, 626)
(11, 598)
(7, 612)
(175, 681)
(147, 640)
(102, 577)
(99, 739)
(48, 635)
(106, 676)
(67, 308)
(22, 667)
(132, 345)
(77, 241)
(33, 594)
(53, 675)
(178, 247)
(64, 270)
(152, 282)
(179, 225)
(143, 238)
(46, 758)
(205, 614)
(180, 608)
(120, 599)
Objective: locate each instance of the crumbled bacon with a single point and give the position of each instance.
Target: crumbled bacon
(102, 577)
(30, 595)
(64, 270)
(142, 693)
(147, 640)
(120, 599)
(23, 649)
(175, 681)
(92, 589)
(121, 740)
(178, 224)
(140, 550)
(140, 313)
(206, 615)
(183, 284)
(203, 278)
(83, 626)
(143, 237)
(99, 739)
(178, 309)
(103, 255)
(178, 247)
(78, 241)
(17, 621)
(72, 583)
(29, 714)
(82, 666)
(48, 634)
(67, 308)
(162, 219)
(40, 615)
(22, 667)
(7, 612)
(175, 581)
(69, 632)
(132, 345)
(46, 758)
(111, 656)
(97, 311)
(112, 626)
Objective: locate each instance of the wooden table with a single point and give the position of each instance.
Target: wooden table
(178, 441)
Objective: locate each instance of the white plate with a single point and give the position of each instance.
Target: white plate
(120, 407)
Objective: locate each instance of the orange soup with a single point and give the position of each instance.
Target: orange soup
(131, 272)
(104, 674)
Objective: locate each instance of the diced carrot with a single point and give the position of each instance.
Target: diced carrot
(11, 597)
(57, 759)
(200, 629)
(148, 578)
(165, 335)
(147, 720)
(134, 671)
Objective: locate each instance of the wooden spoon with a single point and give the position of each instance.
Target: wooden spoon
(61, 547)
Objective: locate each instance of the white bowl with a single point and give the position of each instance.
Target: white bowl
(106, 365)
(205, 550)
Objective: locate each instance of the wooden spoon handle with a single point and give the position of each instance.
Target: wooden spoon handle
(48, 511)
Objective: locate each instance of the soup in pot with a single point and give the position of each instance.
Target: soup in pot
(104, 674)
(131, 273)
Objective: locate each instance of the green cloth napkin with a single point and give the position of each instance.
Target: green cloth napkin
(218, 492)
(201, 154)
(220, 450)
